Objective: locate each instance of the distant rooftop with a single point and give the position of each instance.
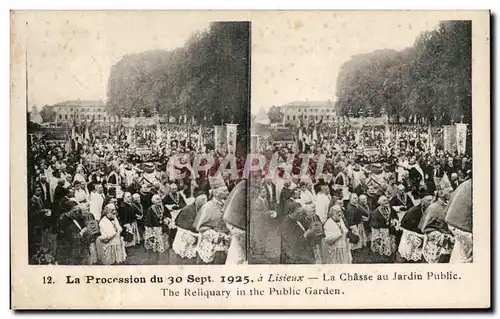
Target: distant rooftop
(85, 103)
(325, 104)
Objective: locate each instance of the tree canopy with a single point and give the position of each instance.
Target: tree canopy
(275, 115)
(429, 82)
(48, 114)
(206, 80)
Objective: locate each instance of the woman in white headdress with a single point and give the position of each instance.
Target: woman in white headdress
(335, 245)
(110, 244)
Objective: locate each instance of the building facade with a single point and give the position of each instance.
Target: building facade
(309, 111)
(79, 110)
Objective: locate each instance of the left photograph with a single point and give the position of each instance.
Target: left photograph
(137, 136)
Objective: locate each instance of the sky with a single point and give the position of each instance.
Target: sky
(70, 54)
(298, 60)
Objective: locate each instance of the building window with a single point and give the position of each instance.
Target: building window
(60, 116)
(71, 116)
(316, 117)
(294, 117)
(99, 116)
(93, 116)
(288, 117)
(327, 117)
(71, 109)
(305, 117)
(88, 117)
(65, 116)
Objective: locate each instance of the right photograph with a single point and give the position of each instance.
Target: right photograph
(363, 132)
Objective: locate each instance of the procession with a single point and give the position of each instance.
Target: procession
(378, 151)
(176, 168)
(98, 200)
(100, 187)
(406, 200)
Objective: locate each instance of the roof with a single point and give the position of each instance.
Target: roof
(85, 103)
(321, 104)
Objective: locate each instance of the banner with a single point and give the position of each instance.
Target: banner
(231, 130)
(449, 138)
(461, 137)
(159, 134)
(129, 136)
(219, 138)
(254, 143)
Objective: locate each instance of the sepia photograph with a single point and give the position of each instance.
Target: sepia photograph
(210, 160)
(373, 138)
(106, 115)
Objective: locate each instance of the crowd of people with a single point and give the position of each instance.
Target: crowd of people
(99, 200)
(409, 202)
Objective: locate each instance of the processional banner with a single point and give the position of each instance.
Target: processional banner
(231, 131)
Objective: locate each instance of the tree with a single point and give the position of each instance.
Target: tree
(429, 82)
(48, 114)
(207, 79)
(275, 115)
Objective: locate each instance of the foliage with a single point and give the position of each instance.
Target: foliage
(48, 114)
(206, 80)
(275, 115)
(429, 82)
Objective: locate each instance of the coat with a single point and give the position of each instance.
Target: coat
(72, 249)
(265, 241)
(295, 249)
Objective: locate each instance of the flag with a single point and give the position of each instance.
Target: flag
(158, 134)
(314, 135)
(200, 135)
(429, 138)
(67, 146)
(168, 139)
(461, 137)
(87, 134)
(387, 135)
